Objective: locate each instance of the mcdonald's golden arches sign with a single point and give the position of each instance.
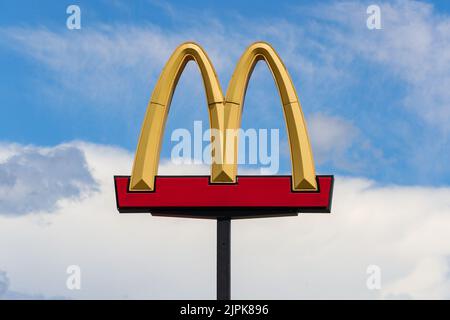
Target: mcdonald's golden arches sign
(224, 193)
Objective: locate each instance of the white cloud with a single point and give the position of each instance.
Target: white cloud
(413, 44)
(338, 142)
(4, 283)
(331, 136)
(96, 66)
(6, 294)
(110, 66)
(115, 65)
(428, 280)
(404, 230)
(33, 179)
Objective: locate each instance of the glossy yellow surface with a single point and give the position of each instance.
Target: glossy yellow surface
(225, 116)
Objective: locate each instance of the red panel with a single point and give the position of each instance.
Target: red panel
(256, 194)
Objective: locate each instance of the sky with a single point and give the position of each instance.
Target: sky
(377, 107)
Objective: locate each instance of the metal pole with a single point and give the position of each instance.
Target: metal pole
(223, 259)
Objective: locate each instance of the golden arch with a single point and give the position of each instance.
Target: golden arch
(303, 171)
(224, 114)
(146, 160)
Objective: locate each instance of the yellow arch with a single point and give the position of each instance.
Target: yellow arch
(223, 114)
(303, 171)
(146, 160)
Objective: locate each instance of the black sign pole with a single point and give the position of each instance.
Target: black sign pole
(223, 259)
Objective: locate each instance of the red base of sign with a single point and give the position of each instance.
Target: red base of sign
(250, 197)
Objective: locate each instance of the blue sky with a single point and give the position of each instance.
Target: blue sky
(377, 105)
(396, 127)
